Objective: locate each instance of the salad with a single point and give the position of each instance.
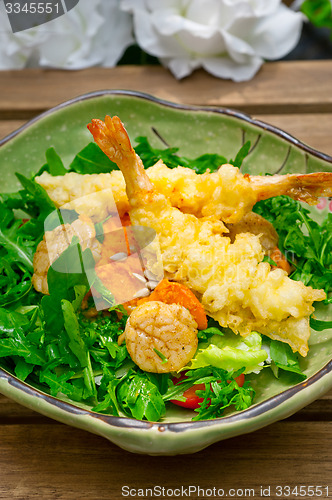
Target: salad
(66, 329)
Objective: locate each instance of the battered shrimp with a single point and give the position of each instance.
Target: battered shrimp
(230, 279)
(226, 194)
(255, 224)
(55, 242)
(161, 337)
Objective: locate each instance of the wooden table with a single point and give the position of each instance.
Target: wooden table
(40, 458)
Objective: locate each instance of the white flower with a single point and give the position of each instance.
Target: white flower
(95, 32)
(229, 38)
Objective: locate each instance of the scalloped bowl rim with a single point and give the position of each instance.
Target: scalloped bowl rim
(85, 419)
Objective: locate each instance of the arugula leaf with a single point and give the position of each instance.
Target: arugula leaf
(20, 346)
(17, 248)
(285, 359)
(241, 155)
(38, 194)
(10, 321)
(221, 391)
(141, 398)
(169, 156)
(78, 346)
(13, 285)
(91, 160)
(150, 155)
(319, 325)
(161, 356)
(68, 271)
(58, 384)
(22, 368)
(54, 162)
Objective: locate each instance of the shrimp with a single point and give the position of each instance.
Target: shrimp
(226, 194)
(268, 237)
(255, 224)
(161, 338)
(233, 284)
(55, 242)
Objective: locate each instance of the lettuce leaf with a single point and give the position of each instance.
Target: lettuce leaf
(232, 352)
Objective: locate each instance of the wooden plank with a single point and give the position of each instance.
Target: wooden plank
(60, 462)
(8, 126)
(14, 413)
(279, 87)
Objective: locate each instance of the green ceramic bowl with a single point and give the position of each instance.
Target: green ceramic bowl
(195, 131)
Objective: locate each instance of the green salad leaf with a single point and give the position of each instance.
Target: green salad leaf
(221, 391)
(54, 163)
(231, 352)
(170, 157)
(91, 160)
(283, 358)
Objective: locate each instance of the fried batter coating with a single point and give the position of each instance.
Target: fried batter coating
(168, 329)
(234, 285)
(226, 194)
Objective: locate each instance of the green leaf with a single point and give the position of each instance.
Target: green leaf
(78, 346)
(23, 369)
(17, 249)
(20, 346)
(285, 359)
(56, 167)
(319, 325)
(269, 260)
(91, 160)
(161, 356)
(231, 352)
(76, 343)
(144, 400)
(241, 155)
(53, 317)
(68, 271)
(207, 161)
(10, 321)
(170, 157)
(58, 384)
(39, 195)
(319, 12)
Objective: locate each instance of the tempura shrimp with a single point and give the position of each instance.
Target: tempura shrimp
(161, 338)
(235, 287)
(226, 194)
(56, 241)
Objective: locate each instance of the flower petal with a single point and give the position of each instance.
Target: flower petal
(225, 67)
(275, 36)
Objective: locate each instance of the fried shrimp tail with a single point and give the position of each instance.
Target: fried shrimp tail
(113, 140)
(302, 187)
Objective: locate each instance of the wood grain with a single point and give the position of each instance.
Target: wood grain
(8, 126)
(280, 87)
(59, 462)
